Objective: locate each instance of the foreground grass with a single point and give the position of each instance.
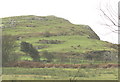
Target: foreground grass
(12, 73)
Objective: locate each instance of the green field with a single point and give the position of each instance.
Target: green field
(59, 74)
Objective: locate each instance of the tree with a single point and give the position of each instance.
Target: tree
(8, 49)
(110, 14)
(29, 49)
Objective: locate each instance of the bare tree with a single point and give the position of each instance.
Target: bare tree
(109, 13)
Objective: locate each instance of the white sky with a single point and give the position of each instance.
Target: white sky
(76, 11)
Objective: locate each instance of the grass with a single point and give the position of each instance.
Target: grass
(72, 34)
(75, 40)
(59, 74)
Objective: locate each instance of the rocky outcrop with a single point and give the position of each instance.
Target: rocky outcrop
(102, 55)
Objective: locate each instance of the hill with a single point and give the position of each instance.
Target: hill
(59, 37)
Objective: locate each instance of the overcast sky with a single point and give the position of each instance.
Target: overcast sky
(76, 11)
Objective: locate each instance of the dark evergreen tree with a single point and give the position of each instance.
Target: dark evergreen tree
(29, 49)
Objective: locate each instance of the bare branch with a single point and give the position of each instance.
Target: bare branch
(111, 15)
(108, 17)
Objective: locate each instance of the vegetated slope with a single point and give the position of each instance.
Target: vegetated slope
(37, 24)
(56, 35)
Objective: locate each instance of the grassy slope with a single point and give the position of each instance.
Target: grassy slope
(73, 35)
(77, 38)
(31, 29)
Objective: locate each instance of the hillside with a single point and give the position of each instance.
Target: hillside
(58, 36)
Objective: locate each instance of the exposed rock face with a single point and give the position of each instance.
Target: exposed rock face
(102, 55)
